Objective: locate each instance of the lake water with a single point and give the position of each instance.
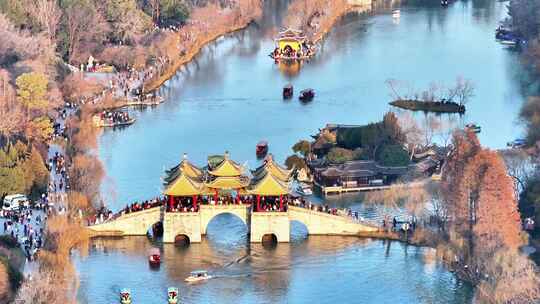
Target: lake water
(229, 98)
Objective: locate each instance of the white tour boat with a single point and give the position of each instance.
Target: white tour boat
(197, 276)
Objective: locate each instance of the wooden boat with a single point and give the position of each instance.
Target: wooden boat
(128, 122)
(198, 276)
(106, 123)
(307, 95)
(473, 127)
(148, 101)
(261, 149)
(154, 257)
(396, 13)
(125, 296)
(288, 91)
(172, 295)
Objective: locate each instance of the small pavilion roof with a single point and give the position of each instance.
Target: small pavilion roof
(273, 168)
(269, 185)
(290, 34)
(226, 168)
(185, 167)
(184, 185)
(228, 182)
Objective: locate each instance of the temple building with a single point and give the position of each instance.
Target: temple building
(270, 180)
(354, 175)
(187, 185)
(289, 40)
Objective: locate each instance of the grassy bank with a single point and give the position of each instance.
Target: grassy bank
(171, 70)
(428, 106)
(207, 25)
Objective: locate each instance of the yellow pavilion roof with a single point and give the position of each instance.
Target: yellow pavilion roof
(189, 169)
(228, 182)
(184, 185)
(227, 168)
(269, 185)
(273, 168)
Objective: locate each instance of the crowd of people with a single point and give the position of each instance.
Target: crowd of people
(114, 117)
(304, 51)
(57, 165)
(26, 228)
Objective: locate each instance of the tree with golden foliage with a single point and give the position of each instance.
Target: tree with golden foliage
(32, 90)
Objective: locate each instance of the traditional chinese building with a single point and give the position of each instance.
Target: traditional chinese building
(186, 183)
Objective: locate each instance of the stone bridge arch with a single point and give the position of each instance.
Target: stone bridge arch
(209, 212)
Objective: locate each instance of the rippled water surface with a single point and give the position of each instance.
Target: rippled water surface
(308, 270)
(229, 98)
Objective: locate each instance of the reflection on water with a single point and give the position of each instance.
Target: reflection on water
(314, 269)
(229, 98)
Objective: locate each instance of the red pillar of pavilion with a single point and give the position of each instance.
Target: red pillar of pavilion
(195, 203)
(215, 196)
(280, 202)
(171, 202)
(238, 196)
(258, 202)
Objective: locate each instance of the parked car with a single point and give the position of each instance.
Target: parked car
(15, 202)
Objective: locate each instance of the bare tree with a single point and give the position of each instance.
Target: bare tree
(393, 84)
(463, 91)
(520, 166)
(413, 133)
(48, 14)
(447, 129)
(430, 127)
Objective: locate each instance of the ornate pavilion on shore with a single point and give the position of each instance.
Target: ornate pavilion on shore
(186, 185)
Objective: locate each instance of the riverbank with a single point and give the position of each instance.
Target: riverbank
(210, 25)
(171, 70)
(319, 18)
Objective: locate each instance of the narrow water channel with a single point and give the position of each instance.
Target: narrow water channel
(229, 98)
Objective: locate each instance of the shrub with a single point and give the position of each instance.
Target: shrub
(393, 156)
(339, 155)
(15, 276)
(8, 241)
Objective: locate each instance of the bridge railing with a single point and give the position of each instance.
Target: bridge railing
(345, 214)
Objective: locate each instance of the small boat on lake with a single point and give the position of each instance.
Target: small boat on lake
(172, 295)
(292, 45)
(288, 91)
(261, 149)
(304, 189)
(125, 296)
(154, 257)
(198, 276)
(444, 2)
(516, 144)
(508, 42)
(307, 95)
(473, 127)
(396, 13)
